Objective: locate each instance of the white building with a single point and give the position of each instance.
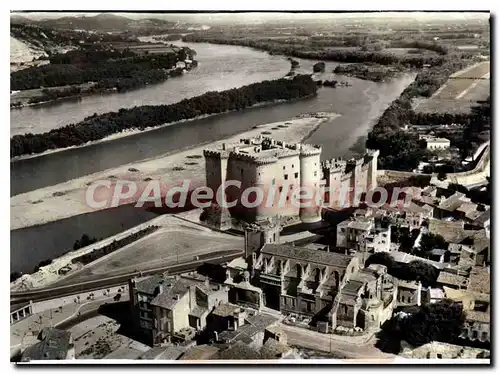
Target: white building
(364, 234)
(434, 143)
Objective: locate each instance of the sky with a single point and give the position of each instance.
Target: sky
(255, 17)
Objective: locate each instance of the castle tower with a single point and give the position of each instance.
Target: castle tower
(216, 167)
(310, 177)
(259, 234)
(332, 173)
(215, 173)
(372, 155)
(356, 183)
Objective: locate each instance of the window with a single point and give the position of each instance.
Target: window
(292, 166)
(484, 336)
(296, 175)
(474, 334)
(309, 307)
(274, 181)
(281, 188)
(315, 173)
(439, 355)
(286, 176)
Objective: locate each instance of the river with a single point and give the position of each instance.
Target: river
(220, 67)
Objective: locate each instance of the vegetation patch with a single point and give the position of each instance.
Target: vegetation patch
(100, 126)
(113, 246)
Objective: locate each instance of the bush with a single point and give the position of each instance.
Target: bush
(412, 271)
(441, 321)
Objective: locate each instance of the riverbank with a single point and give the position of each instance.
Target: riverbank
(43, 96)
(97, 127)
(67, 199)
(132, 132)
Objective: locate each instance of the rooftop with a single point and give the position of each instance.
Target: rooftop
(148, 285)
(452, 232)
(359, 223)
(472, 315)
(453, 202)
(201, 352)
(352, 287)
(226, 310)
(479, 279)
(175, 288)
(163, 353)
(245, 333)
(54, 345)
(307, 255)
(453, 279)
(482, 218)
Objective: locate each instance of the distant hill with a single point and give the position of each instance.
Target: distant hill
(16, 18)
(106, 22)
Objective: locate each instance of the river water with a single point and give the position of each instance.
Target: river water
(220, 67)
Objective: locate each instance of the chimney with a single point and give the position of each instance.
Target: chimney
(419, 293)
(223, 146)
(207, 282)
(159, 289)
(216, 336)
(176, 296)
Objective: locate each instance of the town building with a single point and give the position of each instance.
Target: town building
(330, 287)
(167, 308)
(441, 350)
(409, 293)
(278, 170)
(54, 344)
(364, 234)
(433, 143)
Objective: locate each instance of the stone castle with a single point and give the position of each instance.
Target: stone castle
(278, 169)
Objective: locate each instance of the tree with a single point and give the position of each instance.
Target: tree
(441, 321)
(430, 241)
(441, 175)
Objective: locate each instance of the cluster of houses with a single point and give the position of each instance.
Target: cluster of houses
(325, 288)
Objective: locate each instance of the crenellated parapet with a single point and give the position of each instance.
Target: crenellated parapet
(355, 162)
(310, 150)
(372, 152)
(334, 165)
(253, 158)
(212, 153)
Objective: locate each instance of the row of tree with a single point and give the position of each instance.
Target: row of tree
(97, 127)
(113, 246)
